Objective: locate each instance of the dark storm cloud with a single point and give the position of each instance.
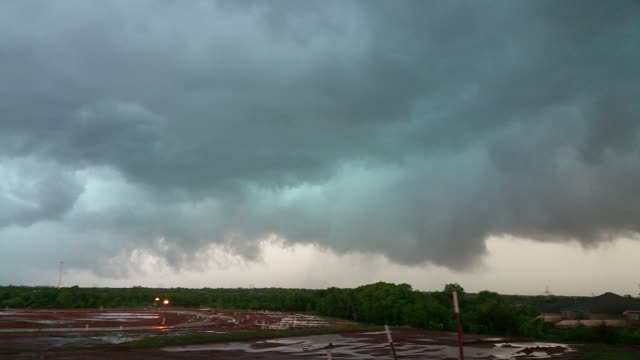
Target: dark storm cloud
(31, 192)
(415, 129)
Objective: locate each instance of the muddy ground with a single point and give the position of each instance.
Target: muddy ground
(409, 344)
(28, 320)
(40, 334)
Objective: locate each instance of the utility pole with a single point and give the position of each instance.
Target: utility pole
(60, 274)
(456, 309)
(390, 340)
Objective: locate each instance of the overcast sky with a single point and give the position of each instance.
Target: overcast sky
(320, 143)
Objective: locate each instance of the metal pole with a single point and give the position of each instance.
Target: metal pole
(457, 311)
(393, 349)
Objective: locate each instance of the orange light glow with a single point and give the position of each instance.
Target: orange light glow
(166, 302)
(157, 299)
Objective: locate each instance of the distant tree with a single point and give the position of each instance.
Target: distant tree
(64, 298)
(449, 288)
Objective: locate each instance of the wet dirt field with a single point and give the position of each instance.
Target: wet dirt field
(42, 330)
(39, 334)
(409, 344)
(164, 318)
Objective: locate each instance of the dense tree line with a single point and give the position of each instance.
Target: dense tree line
(379, 303)
(75, 297)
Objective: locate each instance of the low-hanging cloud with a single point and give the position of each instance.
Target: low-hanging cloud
(412, 129)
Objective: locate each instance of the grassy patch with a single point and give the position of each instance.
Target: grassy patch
(608, 352)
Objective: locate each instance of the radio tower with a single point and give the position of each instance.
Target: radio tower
(60, 274)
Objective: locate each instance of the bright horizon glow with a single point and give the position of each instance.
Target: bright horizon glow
(512, 266)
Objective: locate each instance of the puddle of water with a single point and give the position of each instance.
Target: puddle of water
(48, 322)
(532, 345)
(288, 345)
(540, 354)
(125, 316)
(114, 339)
(346, 347)
(119, 317)
(284, 341)
(510, 350)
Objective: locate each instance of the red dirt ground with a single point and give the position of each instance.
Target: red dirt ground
(38, 330)
(410, 344)
(220, 320)
(47, 330)
(77, 318)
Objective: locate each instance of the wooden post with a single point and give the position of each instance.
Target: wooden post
(456, 308)
(390, 340)
(329, 354)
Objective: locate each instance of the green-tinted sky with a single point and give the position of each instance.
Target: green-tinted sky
(138, 132)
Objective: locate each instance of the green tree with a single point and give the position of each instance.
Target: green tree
(450, 288)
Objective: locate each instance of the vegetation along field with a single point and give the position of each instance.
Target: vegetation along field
(80, 321)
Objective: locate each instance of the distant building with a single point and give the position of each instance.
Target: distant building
(632, 317)
(609, 309)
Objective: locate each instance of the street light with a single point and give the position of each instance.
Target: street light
(166, 301)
